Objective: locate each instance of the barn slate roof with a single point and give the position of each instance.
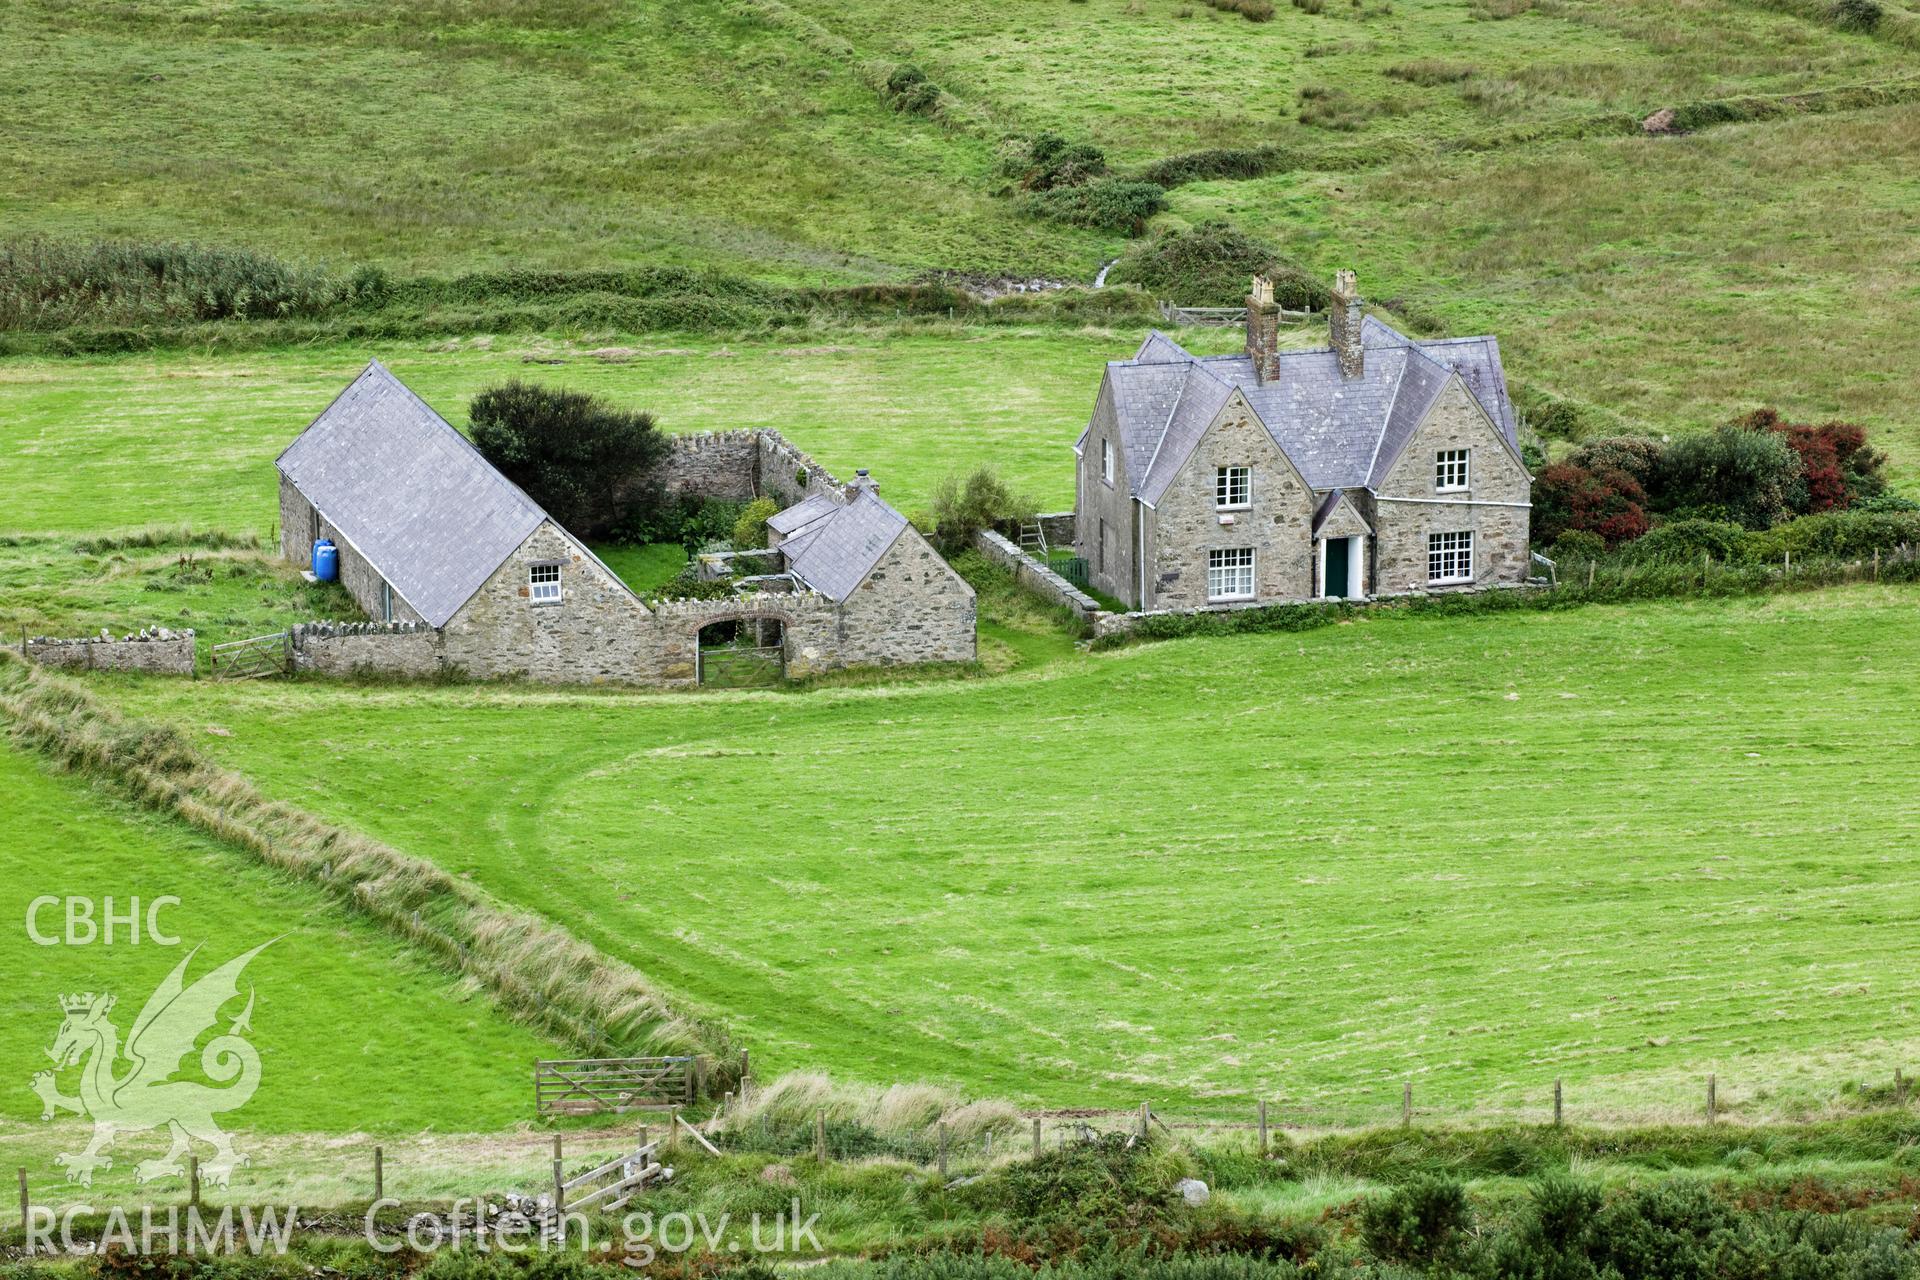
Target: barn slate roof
(410, 493)
(1340, 432)
(834, 553)
(801, 513)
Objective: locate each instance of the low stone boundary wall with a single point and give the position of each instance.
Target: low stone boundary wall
(738, 466)
(349, 648)
(1036, 577)
(156, 650)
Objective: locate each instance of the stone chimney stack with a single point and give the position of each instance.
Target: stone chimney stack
(1263, 331)
(862, 481)
(1343, 325)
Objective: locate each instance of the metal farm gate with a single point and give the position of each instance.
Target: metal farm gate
(251, 659)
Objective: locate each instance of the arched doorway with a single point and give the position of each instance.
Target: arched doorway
(743, 653)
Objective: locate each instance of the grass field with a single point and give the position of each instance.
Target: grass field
(180, 438)
(1620, 847)
(355, 1033)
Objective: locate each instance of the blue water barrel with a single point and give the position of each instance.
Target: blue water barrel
(326, 560)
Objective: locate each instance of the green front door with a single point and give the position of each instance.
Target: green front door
(1337, 566)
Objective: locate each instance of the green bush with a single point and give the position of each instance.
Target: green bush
(1845, 535)
(964, 505)
(1420, 1222)
(1048, 160)
(1106, 204)
(1576, 545)
(1748, 475)
(1688, 542)
(750, 529)
(908, 89)
(1857, 15)
(589, 464)
(1636, 456)
(1213, 265)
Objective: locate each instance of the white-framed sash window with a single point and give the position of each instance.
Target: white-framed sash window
(1450, 557)
(1450, 470)
(543, 582)
(1230, 574)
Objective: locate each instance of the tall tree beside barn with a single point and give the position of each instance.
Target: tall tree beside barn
(590, 464)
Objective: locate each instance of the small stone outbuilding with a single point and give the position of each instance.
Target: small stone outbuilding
(429, 532)
(1378, 464)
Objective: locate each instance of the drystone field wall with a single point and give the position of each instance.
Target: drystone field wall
(157, 650)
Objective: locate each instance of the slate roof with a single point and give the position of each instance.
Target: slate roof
(410, 493)
(802, 513)
(834, 553)
(1339, 432)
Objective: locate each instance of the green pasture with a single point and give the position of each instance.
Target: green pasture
(1623, 847)
(178, 438)
(354, 1031)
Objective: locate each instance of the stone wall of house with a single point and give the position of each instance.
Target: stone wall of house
(912, 608)
(1494, 507)
(1278, 524)
(598, 631)
(1034, 576)
(157, 651)
(301, 526)
(1104, 535)
(351, 648)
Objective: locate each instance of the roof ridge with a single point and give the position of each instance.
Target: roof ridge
(1386, 418)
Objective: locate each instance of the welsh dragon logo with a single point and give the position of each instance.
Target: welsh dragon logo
(145, 1096)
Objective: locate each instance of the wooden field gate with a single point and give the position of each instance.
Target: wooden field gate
(584, 1086)
(252, 659)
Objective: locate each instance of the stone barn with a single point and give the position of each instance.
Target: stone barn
(430, 534)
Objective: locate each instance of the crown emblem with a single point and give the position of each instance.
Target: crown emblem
(82, 1002)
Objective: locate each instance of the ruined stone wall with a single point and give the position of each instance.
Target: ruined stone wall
(1278, 524)
(1493, 507)
(912, 608)
(353, 648)
(739, 466)
(598, 631)
(809, 623)
(157, 651)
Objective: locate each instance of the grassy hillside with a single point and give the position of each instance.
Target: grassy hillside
(354, 1031)
(1620, 847)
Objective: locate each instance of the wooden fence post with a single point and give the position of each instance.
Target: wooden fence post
(26, 1210)
(559, 1188)
(1556, 1104)
(380, 1174)
(1146, 1110)
(1263, 1128)
(1713, 1104)
(1592, 565)
(1899, 1087)
(820, 1136)
(673, 1129)
(1036, 1137)
(193, 1181)
(556, 1146)
(1406, 1104)
(943, 1153)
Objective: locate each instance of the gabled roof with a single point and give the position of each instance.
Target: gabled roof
(1330, 504)
(802, 513)
(410, 493)
(834, 553)
(1335, 430)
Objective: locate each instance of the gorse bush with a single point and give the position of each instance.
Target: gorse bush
(1105, 204)
(908, 89)
(964, 505)
(750, 529)
(1213, 264)
(1420, 1222)
(1048, 160)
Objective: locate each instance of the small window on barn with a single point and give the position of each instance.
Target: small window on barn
(1450, 469)
(1233, 487)
(545, 584)
(1450, 557)
(1106, 461)
(1230, 574)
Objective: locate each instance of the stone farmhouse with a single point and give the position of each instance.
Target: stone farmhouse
(474, 575)
(1377, 465)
